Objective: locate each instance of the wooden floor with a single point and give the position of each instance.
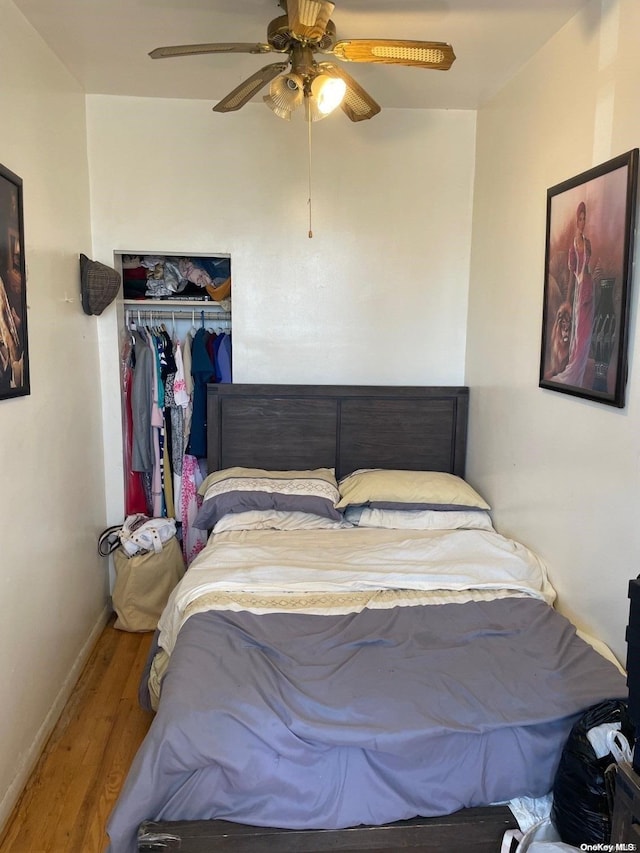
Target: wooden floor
(65, 804)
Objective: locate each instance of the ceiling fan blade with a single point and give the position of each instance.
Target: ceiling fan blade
(251, 86)
(308, 19)
(420, 54)
(357, 104)
(193, 49)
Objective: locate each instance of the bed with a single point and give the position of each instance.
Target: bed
(376, 668)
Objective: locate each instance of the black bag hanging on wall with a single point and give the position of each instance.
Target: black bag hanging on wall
(582, 800)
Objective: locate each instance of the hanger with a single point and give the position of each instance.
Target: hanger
(130, 326)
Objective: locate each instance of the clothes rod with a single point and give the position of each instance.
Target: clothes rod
(168, 313)
(177, 304)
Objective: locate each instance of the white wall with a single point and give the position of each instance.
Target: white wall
(562, 473)
(52, 499)
(378, 295)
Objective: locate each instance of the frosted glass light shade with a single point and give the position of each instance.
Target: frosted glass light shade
(328, 92)
(285, 95)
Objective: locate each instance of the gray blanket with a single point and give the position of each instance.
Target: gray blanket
(305, 721)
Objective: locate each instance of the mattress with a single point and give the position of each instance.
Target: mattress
(332, 678)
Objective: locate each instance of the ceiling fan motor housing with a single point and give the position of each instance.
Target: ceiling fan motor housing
(281, 39)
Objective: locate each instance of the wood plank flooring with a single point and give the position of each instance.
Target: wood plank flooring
(67, 800)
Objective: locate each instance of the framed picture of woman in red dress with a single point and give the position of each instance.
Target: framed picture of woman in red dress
(14, 354)
(589, 250)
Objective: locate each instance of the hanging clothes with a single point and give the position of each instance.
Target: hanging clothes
(188, 381)
(224, 358)
(141, 405)
(157, 431)
(168, 376)
(202, 370)
(193, 539)
(181, 400)
(135, 498)
(164, 387)
(211, 350)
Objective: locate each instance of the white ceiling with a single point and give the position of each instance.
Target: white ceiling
(104, 44)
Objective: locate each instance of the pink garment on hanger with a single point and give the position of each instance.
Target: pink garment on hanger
(193, 539)
(157, 424)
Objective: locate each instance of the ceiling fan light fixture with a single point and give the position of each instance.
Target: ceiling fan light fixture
(311, 111)
(285, 95)
(281, 112)
(327, 93)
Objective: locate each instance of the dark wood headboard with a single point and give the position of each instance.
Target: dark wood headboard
(289, 427)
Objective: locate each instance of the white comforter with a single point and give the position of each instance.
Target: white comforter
(261, 570)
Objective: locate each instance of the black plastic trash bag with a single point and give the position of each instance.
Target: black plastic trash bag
(581, 810)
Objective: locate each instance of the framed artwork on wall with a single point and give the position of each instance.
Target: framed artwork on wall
(14, 353)
(588, 256)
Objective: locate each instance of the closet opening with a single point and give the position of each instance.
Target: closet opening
(176, 338)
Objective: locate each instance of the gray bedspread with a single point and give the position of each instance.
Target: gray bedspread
(307, 721)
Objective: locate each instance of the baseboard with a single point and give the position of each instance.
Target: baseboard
(14, 791)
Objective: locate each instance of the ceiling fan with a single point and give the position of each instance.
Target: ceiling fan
(304, 31)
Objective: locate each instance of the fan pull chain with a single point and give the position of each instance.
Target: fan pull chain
(309, 202)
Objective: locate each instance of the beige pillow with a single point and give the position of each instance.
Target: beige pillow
(388, 489)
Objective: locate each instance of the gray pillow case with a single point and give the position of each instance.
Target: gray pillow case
(241, 489)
